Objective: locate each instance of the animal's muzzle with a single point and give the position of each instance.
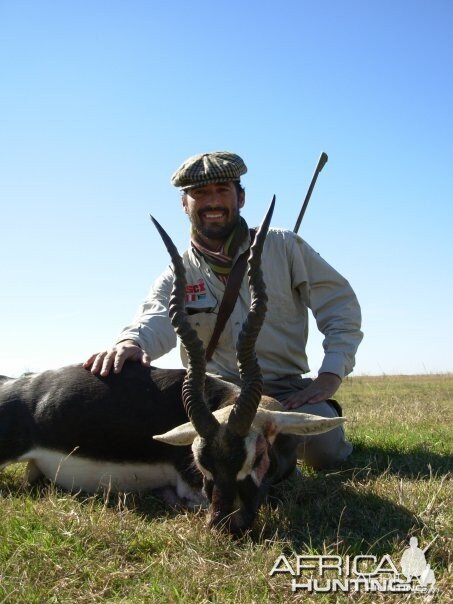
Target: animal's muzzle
(236, 521)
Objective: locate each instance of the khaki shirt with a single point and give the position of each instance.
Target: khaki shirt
(296, 278)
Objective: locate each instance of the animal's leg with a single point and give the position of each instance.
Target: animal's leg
(32, 473)
(170, 496)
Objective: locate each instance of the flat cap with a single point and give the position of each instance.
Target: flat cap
(207, 168)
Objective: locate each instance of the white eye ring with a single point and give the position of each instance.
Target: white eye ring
(250, 446)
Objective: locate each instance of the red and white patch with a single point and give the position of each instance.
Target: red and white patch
(270, 431)
(195, 291)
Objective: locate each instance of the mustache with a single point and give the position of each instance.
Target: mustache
(213, 209)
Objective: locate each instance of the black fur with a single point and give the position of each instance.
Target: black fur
(109, 418)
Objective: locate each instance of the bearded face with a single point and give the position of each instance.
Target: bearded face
(214, 209)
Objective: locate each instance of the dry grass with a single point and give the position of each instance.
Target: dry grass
(59, 548)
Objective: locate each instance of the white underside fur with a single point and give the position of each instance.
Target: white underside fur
(76, 473)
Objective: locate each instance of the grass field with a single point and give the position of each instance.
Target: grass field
(56, 547)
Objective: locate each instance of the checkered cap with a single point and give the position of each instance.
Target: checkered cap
(207, 168)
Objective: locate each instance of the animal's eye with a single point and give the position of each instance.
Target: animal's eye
(258, 460)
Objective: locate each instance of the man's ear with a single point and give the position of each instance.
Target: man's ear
(184, 202)
(241, 199)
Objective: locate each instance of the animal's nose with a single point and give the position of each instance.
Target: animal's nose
(234, 523)
(218, 519)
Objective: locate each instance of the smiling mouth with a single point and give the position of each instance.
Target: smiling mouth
(213, 215)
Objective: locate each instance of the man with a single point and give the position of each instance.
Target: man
(297, 278)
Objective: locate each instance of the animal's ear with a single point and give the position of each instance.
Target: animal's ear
(295, 423)
(179, 436)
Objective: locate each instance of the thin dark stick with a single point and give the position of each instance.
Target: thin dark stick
(321, 163)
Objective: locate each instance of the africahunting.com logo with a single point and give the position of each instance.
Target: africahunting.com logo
(367, 573)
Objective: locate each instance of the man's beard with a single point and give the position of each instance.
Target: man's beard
(213, 231)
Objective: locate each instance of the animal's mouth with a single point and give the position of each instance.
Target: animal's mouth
(236, 523)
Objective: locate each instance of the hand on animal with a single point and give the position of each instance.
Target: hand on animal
(102, 362)
(322, 388)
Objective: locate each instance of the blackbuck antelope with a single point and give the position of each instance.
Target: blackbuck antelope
(129, 431)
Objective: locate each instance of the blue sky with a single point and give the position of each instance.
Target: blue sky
(102, 100)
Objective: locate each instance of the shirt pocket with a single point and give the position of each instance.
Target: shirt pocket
(280, 307)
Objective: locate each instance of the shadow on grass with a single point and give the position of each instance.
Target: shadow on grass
(147, 504)
(334, 508)
(315, 511)
(418, 463)
(319, 512)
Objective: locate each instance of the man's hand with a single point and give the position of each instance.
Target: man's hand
(102, 362)
(322, 388)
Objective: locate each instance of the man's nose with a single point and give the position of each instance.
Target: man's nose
(211, 203)
(214, 198)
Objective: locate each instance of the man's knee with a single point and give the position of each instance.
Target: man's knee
(323, 451)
